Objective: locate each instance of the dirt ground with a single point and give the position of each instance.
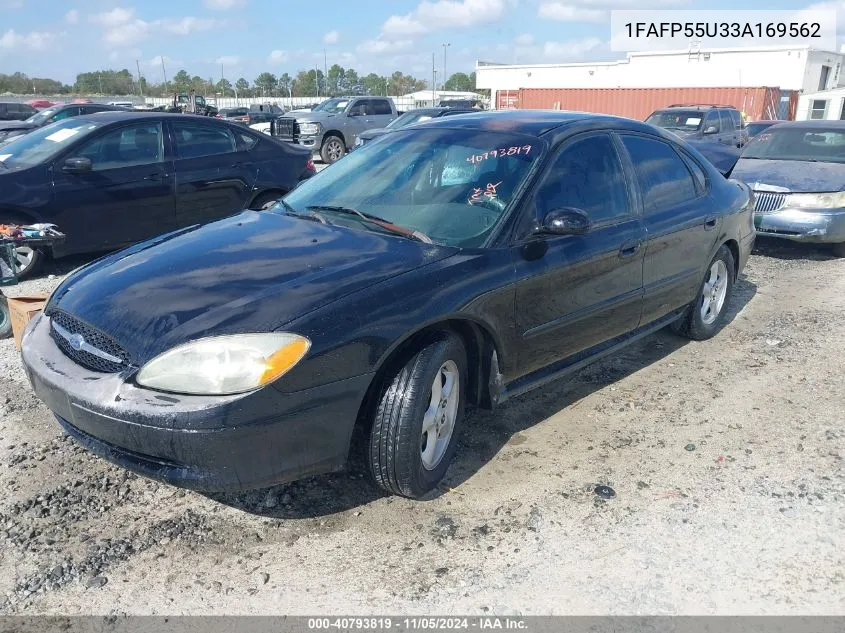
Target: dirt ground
(726, 459)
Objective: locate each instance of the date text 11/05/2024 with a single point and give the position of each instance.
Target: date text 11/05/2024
(422, 623)
(699, 30)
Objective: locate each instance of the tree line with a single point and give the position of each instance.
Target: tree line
(337, 81)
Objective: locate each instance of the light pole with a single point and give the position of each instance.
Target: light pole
(445, 46)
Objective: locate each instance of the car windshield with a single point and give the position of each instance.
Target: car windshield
(798, 143)
(229, 112)
(39, 117)
(44, 143)
(332, 106)
(408, 118)
(451, 185)
(677, 119)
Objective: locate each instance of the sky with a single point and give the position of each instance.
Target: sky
(242, 38)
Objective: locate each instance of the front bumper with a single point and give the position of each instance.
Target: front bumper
(816, 226)
(210, 443)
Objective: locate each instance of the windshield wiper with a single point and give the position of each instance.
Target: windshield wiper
(374, 219)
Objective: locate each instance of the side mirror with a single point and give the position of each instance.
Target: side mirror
(711, 129)
(566, 221)
(77, 165)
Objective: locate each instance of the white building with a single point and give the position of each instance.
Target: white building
(798, 68)
(426, 99)
(826, 104)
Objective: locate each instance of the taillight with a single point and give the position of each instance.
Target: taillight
(309, 165)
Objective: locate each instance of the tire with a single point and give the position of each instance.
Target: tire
(707, 314)
(265, 200)
(29, 259)
(332, 150)
(5, 319)
(839, 249)
(403, 459)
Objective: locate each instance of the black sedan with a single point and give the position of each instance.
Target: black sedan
(12, 129)
(408, 118)
(482, 256)
(14, 111)
(115, 178)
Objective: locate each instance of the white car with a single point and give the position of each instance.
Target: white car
(261, 127)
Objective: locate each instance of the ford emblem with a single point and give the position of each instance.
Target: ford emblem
(76, 341)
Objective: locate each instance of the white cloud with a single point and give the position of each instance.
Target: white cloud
(331, 37)
(122, 28)
(227, 60)
(33, 41)
(115, 17)
(278, 56)
(431, 16)
(526, 39)
(381, 46)
(72, 17)
(570, 13)
(572, 49)
(223, 5)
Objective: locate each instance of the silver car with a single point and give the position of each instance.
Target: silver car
(797, 171)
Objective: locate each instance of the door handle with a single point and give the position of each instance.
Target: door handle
(710, 224)
(629, 249)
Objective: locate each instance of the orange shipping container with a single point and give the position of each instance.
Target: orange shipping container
(638, 103)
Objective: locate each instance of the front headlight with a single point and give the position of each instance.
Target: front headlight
(309, 128)
(222, 365)
(833, 200)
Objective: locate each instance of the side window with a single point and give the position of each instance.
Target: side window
(663, 175)
(359, 107)
(64, 114)
(697, 173)
(737, 119)
(247, 141)
(727, 123)
(195, 141)
(380, 106)
(712, 120)
(587, 175)
(125, 147)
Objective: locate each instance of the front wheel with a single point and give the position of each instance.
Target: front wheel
(707, 314)
(5, 318)
(419, 414)
(332, 150)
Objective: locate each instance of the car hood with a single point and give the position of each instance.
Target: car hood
(252, 272)
(790, 175)
(309, 116)
(15, 125)
(370, 134)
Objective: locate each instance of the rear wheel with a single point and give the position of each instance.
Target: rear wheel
(5, 319)
(332, 150)
(707, 314)
(418, 417)
(266, 200)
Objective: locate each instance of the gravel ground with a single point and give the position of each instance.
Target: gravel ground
(723, 462)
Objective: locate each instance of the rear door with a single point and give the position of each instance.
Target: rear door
(577, 291)
(126, 197)
(214, 173)
(682, 229)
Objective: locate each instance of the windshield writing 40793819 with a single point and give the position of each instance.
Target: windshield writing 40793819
(504, 151)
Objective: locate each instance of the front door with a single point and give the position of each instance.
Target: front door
(682, 227)
(214, 176)
(127, 196)
(577, 291)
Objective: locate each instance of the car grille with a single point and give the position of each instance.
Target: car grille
(285, 129)
(767, 202)
(94, 338)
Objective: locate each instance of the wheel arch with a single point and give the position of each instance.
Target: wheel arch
(274, 190)
(733, 247)
(336, 133)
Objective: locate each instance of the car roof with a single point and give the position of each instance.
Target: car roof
(121, 114)
(810, 125)
(531, 122)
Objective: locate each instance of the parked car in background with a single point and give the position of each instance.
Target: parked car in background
(470, 104)
(797, 172)
(122, 104)
(755, 127)
(408, 118)
(712, 123)
(114, 178)
(252, 115)
(11, 129)
(14, 111)
(460, 262)
(334, 125)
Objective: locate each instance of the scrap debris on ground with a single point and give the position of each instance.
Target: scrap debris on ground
(672, 477)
